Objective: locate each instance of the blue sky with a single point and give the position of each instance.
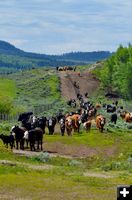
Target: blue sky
(59, 26)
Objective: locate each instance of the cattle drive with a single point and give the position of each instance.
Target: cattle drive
(66, 68)
(30, 129)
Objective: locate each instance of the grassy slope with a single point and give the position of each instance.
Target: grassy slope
(36, 86)
(7, 88)
(7, 94)
(30, 88)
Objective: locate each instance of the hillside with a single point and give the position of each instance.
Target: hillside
(33, 89)
(116, 73)
(12, 57)
(85, 56)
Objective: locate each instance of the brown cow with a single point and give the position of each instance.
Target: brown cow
(68, 125)
(92, 112)
(127, 116)
(100, 122)
(76, 123)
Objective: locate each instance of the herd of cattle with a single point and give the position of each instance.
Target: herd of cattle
(32, 128)
(66, 68)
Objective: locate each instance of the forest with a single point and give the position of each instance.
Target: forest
(116, 74)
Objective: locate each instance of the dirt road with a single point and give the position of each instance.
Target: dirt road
(85, 80)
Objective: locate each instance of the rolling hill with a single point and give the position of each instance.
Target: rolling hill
(12, 57)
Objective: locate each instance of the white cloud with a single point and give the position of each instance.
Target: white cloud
(55, 26)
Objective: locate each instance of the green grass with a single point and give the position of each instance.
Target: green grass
(66, 178)
(92, 139)
(7, 88)
(36, 87)
(7, 94)
(18, 182)
(25, 89)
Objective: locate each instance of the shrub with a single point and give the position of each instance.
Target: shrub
(43, 157)
(75, 163)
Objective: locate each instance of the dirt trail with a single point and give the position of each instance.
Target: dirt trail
(32, 153)
(86, 81)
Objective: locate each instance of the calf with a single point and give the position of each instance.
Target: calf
(7, 139)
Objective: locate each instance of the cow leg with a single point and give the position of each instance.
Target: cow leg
(101, 129)
(38, 145)
(22, 144)
(27, 144)
(41, 143)
(11, 145)
(30, 146)
(67, 131)
(16, 144)
(34, 146)
(62, 132)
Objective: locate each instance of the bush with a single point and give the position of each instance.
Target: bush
(43, 157)
(5, 106)
(75, 163)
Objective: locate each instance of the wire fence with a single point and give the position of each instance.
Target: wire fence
(37, 110)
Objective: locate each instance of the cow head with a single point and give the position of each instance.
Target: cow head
(69, 122)
(14, 128)
(102, 121)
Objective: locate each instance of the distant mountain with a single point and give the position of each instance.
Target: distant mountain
(12, 57)
(85, 56)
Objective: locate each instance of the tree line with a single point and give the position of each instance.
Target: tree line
(116, 73)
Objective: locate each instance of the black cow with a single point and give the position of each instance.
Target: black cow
(113, 118)
(19, 136)
(72, 103)
(7, 139)
(112, 95)
(111, 108)
(59, 116)
(25, 119)
(62, 126)
(24, 116)
(86, 94)
(41, 123)
(51, 122)
(84, 117)
(35, 135)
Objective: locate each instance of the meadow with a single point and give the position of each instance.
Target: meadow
(86, 166)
